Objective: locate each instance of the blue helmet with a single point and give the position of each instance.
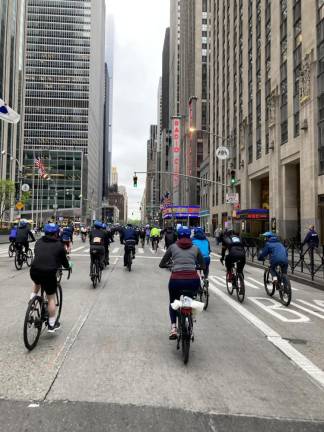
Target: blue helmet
(51, 228)
(184, 232)
(198, 230)
(23, 223)
(104, 226)
(97, 224)
(268, 234)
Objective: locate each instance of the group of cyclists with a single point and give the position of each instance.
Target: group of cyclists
(186, 250)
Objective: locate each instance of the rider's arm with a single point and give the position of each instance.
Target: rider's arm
(224, 247)
(64, 260)
(31, 235)
(200, 260)
(166, 258)
(264, 253)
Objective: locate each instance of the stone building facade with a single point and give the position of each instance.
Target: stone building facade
(266, 104)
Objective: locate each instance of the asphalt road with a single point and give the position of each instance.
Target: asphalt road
(111, 366)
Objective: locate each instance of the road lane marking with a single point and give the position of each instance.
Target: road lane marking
(77, 249)
(115, 250)
(273, 337)
(87, 251)
(249, 284)
(278, 310)
(215, 255)
(314, 306)
(311, 312)
(140, 250)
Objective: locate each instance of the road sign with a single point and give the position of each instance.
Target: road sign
(222, 153)
(25, 187)
(19, 205)
(232, 198)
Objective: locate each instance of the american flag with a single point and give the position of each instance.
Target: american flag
(41, 168)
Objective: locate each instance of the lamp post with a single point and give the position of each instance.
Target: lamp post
(20, 172)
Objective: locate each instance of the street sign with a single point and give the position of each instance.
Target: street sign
(232, 198)
(222, 153)
(19, 205)
(25, 187)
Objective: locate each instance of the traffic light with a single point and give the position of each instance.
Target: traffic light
(233, 178)
(135, 181)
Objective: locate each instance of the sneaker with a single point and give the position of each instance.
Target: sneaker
(173, 333)
(52, 329)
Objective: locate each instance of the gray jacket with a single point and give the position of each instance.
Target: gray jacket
(184, 259)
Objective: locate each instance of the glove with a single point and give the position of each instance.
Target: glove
(222, 261)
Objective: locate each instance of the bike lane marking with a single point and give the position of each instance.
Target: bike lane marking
(273, 308)
(262, 284)
(275, 338)
(311, 312)
(115, 250)
(77, 249)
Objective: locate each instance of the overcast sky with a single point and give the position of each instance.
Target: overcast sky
(139, 34)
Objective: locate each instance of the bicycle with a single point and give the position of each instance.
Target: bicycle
(11, 249)
(282, 284)
(22, 257)
(37, 315)
(185, 325)
(204, 290)
(236, 282)
(95, 268)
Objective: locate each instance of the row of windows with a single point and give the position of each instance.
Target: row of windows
(59, 4)
(32, 102)
(59, 12)
(56, 134)
(57, 34)
(57, 72)
(70, 87)
(45, 110)
(59, 26)
(66, 49)
(62, 43)
(65, 125)
(59, 64)
(50, 17)
(73, 57)
(56, 79)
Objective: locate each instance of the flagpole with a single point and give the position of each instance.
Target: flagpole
(33, 188)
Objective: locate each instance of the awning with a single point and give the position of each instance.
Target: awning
(8, 114)
(252, 214)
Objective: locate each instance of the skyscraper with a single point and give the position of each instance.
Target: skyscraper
(12, 14)
(64, 104)
(110, 43)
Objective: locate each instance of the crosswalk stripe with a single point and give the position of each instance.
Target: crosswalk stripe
(87, 250)
(115, 250)
(77, 249)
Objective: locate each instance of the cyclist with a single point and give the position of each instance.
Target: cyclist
(185, 257)
(67, 238)
(128, 237)
(107, 241)
(200, 240)
(50, 255)
(155, 235)
(142, 236)
(147, 233)
(278, 254)
(84, 233)
(236, 253)
(23, 234)
(97, 243)
(13, 233)
(170, 237)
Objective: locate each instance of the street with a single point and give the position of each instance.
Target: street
(111, 367)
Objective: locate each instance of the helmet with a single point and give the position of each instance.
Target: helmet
(97, 224)
(184, 232)
(104, 226)
(23, 223)
(199, 230)
(268, 234)
(51, 228)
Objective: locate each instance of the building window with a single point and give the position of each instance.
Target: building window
(283, 72)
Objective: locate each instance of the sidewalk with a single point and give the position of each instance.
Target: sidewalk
(298, 275)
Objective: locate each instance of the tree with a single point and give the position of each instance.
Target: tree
(7, 194)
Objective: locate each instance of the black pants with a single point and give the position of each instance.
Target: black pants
(25, 244)
(129, 246)
(107, 253)
(231, 259)
(98, 251)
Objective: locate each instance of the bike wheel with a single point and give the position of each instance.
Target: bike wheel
(240, 288)
(29, 257)
(204, 295)
(185, 338)
(129, 261)
(18, 260)
(11, 250)
(229, 285)
(99, 271)
(268, 285)
(33, 322)
(58, 301)
(93, 274)
(285, 290)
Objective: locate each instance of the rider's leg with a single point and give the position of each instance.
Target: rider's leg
(228, 264)
(207, 263)
(125, 255)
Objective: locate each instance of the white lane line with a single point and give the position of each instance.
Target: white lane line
(121, 256)
(249, 284)
(115, 250)
(115, 262)
(77, 249)
(87, 251)
(262, 284)
(215, 255)
(273, 337)
(307, 310)
(140, 250)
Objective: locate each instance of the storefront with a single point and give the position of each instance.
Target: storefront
(251, 221)
(186, 215)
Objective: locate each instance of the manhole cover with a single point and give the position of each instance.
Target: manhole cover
(296, 341)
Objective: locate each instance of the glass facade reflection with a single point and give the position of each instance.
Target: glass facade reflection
(57, 96)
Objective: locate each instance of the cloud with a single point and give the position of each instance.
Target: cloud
(139, 34)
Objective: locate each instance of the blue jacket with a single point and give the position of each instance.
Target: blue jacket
(276, 251)
(203, 245)
(311, 239)
(128, 234)
(13, 233)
